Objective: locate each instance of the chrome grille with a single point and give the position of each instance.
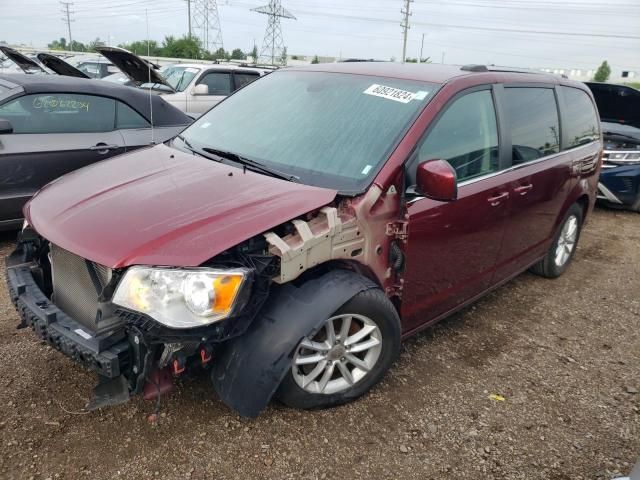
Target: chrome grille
(74, 290)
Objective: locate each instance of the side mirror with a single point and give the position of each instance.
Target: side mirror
(437, 179)
(5, 126)
(200, 89)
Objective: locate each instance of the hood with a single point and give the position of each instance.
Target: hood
(160, 206)
(136, 68)
(25, 63)
(617, 103)
(59, 66)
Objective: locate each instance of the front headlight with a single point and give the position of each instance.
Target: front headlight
(181, 298)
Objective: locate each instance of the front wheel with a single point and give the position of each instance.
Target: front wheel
(563, 247)
(347, 356)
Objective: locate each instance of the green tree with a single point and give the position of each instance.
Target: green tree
(140, 47)
(315, 60)
(95, 44)
(238, 54)
(60, 44)
(603, 72)
(254, 53)
(185, 47)
(219, 54)
(78, 46)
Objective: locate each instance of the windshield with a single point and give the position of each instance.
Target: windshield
(328, 129)
(179, 77)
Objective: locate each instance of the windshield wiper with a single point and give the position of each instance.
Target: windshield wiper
(252, 164)
(190, 147)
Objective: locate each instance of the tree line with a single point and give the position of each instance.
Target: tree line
(183, 47)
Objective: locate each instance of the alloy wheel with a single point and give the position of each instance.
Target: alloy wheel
(566, 240)
(338, 356)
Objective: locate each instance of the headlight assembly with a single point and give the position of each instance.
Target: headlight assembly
(182, 298)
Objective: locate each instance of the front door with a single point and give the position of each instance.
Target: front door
(53, 134)
(452, 247)
(220, 86)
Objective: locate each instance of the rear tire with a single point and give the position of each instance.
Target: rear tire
(563, 247)
(370, 320)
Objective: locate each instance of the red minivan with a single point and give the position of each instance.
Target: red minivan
(294, 234)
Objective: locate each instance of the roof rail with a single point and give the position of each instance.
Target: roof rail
(501, 69)
(474, 68)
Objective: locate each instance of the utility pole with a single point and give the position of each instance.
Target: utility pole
(67, 18)
(421, 48)
(405, 27)
(189, 15)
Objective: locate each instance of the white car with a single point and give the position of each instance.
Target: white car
(191, 87)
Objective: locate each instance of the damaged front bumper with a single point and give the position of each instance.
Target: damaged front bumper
(106, 355)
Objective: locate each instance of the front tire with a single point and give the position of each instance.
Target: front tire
(564, 244)
(348, 355)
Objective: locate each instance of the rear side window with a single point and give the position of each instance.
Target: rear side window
(532, 115)
(127, 117)
(466, 135)
(244, 78)
(219, 83)
(60, 113)
(580, 121)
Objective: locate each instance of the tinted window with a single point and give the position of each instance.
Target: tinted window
(532, 116)
(127, 117)
(60, 113)
(580, 121)
(244, 78)
(219, 83)
(466, 135)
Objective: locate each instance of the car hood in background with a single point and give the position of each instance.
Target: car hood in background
(25, 63)
(630, 131)
(59, 66)
(136, 68)
(160, 206)
(617, 103)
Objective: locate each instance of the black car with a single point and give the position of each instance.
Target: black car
(619, 107)
(51, 125)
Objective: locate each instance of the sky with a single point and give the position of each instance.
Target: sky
(520, 33)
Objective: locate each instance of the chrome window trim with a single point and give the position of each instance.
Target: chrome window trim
(517, 167)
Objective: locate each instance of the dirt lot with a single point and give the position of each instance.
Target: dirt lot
(564, 354)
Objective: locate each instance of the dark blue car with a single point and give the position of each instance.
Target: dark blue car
(619, 108)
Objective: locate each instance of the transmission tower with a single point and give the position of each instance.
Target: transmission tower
(206, 23)
(273, 45)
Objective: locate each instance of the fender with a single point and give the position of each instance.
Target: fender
(248, 369)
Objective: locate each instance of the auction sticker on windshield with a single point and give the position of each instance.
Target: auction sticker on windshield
(390, 93)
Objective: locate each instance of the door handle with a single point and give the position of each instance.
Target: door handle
(497, 200)
(523, 189)
(103, 147)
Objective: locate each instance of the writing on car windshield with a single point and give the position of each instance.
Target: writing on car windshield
(329, 129)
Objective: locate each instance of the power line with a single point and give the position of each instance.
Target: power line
(405, 27)
(68, 19)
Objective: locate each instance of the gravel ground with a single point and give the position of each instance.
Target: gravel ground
(564, 354)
